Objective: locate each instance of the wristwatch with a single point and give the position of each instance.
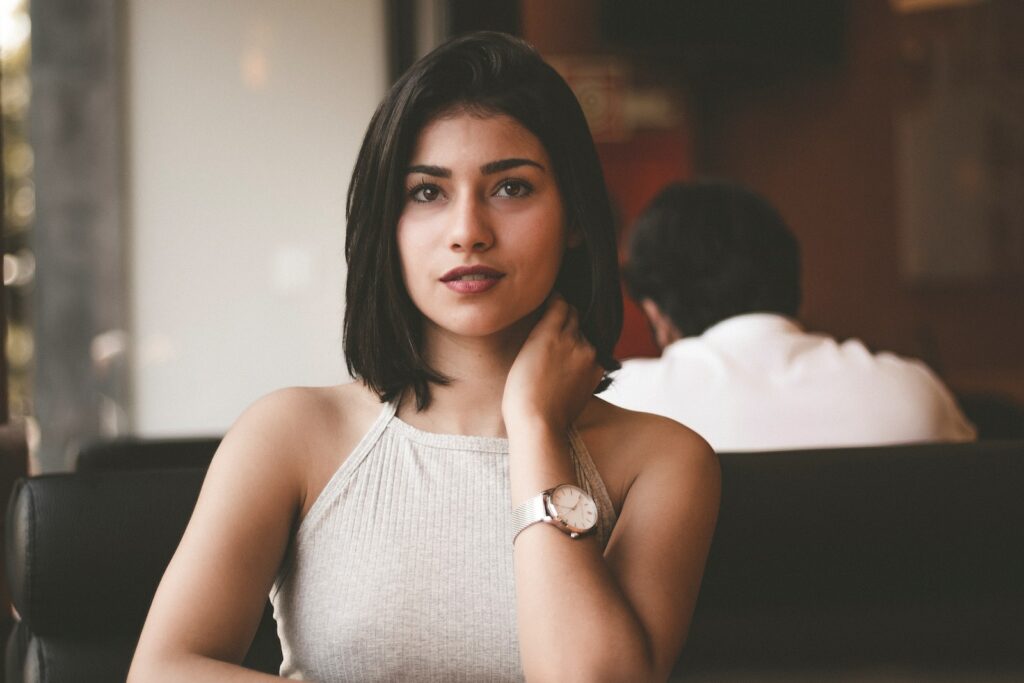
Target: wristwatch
(566, 507)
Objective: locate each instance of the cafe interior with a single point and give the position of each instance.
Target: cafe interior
(174, 180)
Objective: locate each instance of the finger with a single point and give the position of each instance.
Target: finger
(571, 324)
(556, 312)
(577, 330)
(588, 350)
(554, 300)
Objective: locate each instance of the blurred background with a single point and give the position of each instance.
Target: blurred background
(175, 175)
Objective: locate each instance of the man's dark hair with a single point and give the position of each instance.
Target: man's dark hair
(709, 250)
(483, 73)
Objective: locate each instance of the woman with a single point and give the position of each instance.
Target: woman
(467, 509)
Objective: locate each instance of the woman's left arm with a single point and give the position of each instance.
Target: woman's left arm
(621, 614)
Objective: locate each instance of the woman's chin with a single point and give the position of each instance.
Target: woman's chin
(476, 330)
(485, 328)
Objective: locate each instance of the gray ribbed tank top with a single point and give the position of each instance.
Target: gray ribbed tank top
(402, 568)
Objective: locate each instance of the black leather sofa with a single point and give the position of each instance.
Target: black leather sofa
(133, 453)
(877, 564)
(87, 552)
(870, 564)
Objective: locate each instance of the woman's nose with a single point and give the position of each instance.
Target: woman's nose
(470, 227)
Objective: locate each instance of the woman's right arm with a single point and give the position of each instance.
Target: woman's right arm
(211, 598)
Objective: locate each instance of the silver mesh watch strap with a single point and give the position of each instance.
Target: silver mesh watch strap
(530, 511)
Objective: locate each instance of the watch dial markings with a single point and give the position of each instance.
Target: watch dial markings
(573, 508)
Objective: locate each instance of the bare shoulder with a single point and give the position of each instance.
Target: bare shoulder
(301, 434)
(627, 445)
(642, 437)
(304, 417)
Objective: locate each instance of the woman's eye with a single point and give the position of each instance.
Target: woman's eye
(425, 193)
(515, 189)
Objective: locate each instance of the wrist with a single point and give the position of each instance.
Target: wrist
(529, 426)
(538, 459)
(537, 441)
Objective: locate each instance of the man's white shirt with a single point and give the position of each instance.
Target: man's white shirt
(760, 382)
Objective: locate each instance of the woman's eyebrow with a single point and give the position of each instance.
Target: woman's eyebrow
(438, 171)
(505, 164)
(487, 169)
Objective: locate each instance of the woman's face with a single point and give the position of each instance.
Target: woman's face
(482, 232)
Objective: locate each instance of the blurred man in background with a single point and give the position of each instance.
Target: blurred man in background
(717, 273)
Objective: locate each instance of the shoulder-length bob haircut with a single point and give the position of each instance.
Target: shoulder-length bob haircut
(489, 74)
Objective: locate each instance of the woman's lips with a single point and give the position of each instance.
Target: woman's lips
(471, 279)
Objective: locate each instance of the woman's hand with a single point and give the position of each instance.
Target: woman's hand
(554, 374)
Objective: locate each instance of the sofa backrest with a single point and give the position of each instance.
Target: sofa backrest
(85, 553)
(901, 557)
(134, 453)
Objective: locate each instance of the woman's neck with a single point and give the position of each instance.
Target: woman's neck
(477, 367)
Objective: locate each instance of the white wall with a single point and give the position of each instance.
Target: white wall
(244, 122)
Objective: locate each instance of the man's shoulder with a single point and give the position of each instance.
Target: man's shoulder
(634, 369)
(907, 390)
(635, 376)
(886, 363)
(677, 353)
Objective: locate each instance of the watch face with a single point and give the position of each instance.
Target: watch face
(573, 507)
